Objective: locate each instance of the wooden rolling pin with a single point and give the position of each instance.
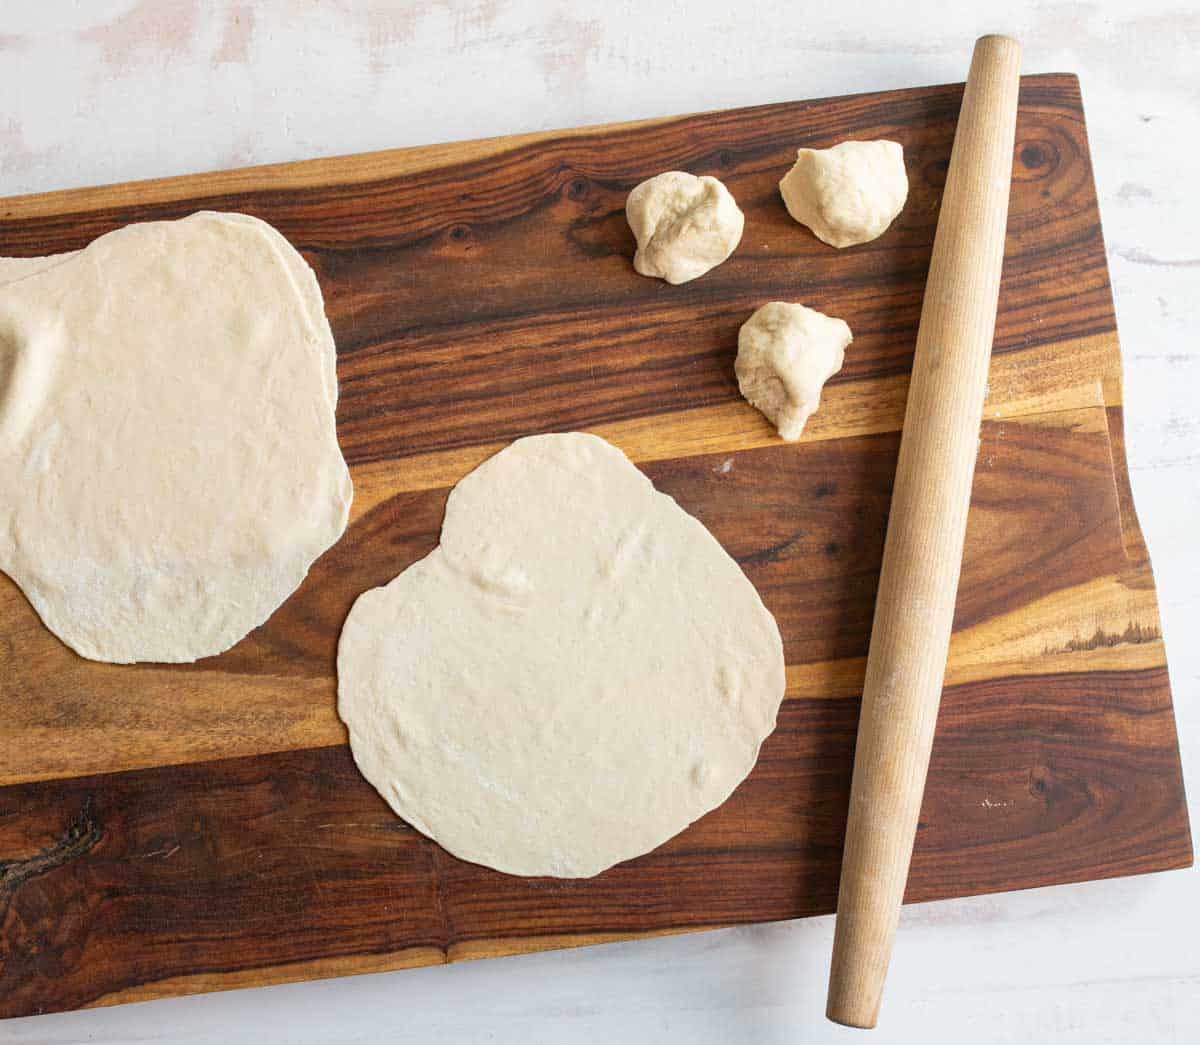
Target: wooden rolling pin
(922, 556)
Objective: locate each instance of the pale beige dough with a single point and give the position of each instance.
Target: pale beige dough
(169, 466)
(849, 193)
(786, 353)
(684, 225)
(303, 279)
(576, 673)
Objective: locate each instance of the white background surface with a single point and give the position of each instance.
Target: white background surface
(107, 91)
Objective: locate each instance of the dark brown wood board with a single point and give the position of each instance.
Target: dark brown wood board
(176, 828)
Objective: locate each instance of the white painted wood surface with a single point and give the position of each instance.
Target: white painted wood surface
(109, 90)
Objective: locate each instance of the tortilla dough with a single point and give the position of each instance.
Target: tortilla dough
(684, 225)
(169, 466)
(786, 353)
(576, 673)
(303, 279)
(847, 194)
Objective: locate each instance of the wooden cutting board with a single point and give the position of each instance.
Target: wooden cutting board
(166, 829)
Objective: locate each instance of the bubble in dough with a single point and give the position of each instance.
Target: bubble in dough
(849, 193)
(684, 225)
(576, 673)
(786, 353)
(169, 466)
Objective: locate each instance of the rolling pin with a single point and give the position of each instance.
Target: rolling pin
(922, 558)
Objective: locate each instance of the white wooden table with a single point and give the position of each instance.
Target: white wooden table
(110, 90)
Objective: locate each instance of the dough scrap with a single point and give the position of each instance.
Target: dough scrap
(847, 194)
(684, 225)
(576, 673)
(169, 466)
(786, 353)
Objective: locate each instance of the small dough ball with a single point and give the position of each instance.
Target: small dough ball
(786, 353)
(847, 194)
(684, 225)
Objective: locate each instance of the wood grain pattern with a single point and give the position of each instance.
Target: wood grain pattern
(173, 828)
(286, 698)
(152, 874)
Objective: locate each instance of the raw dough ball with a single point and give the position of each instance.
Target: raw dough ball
(786, 353)
(169, 466)
(684, 225)
(847, 194)
(576, 673)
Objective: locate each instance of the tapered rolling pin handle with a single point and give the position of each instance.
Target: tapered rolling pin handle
(922, 555)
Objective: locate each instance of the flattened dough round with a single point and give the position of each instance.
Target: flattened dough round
(169, 466)
(576, 673)
(303, 279)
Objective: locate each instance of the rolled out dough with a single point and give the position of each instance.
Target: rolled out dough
(304, 282)
(169, 466)
(576, 673)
